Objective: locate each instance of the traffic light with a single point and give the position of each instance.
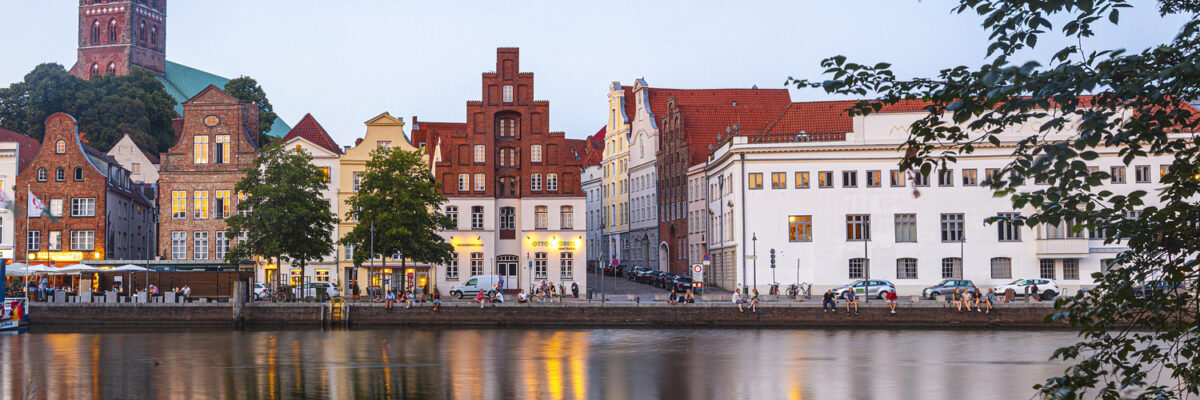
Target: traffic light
(772, 258)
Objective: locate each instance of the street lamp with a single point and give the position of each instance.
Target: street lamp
(754, 239)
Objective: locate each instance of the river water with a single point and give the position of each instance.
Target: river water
(483, 363)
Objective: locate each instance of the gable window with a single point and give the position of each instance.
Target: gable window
(41, 174)
(60, 147)
(137, 168)
(755, 180)
(78, 174)
(507, 127)
(200, 149)
(480, 154)
(535, 153)
(222, 150)
(508, 93)
(551, 182)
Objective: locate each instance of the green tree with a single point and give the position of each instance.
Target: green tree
(106, 107)
(286, 218)
(399, 197)
(247, 90)
(1128, 102)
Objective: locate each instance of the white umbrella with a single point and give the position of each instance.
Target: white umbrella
(127, 268)
(18, 269)
(76, 269)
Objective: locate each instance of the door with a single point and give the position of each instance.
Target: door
(508, 267)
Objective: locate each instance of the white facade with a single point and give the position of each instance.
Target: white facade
(9, 164)
(643, 196)
(131, 157)
(813, 228)
(329, 163)
(591, 185)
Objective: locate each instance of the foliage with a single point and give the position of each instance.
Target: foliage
(1127, 103)
(398, 196)
(247, 90)
(287, 217)
(106, 106)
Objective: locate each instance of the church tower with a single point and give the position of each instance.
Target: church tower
(116, 35)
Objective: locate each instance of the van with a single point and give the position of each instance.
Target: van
(474, 285)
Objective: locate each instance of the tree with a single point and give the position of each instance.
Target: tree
(1131, 102)
(399, 197)
(106, 106)
(285, 217)
(247, 90)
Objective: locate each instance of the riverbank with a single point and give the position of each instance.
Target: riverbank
(914, 315)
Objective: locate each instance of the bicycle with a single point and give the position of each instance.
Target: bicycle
(774, 289)
(806, 288)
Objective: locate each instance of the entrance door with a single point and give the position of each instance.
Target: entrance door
(508, 267)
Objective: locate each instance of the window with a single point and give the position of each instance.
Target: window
(83, 207)
(800, 228)
(539, 265)
(83, 240)
(54, 241)
(95, 36)
(539, 217)
(56, 207)
(200, 245)
(112, 31)
(1007, 231)
(60, 147)
(535, 182)
(178, 204)
(952, 228)
(1163, 170)
(178, 245)
(142, 31)
(480, 182)
(243, 211)
(223, 150)
(33, 241)
(779, 180)
(897, 178)
(920, 179)
(566, 217)
(508, 93)
(906, 268)
(873, 178)
(1071, 265)
(200, 205)
(951, 268)
(1118, 174)
(322, 275)
(1001, 268)
(945, 177)
(476, 264)
(906, 228)
(508, 217)
(849, 178)
(566, 266)
(480, 154)
(755, 180)
(476, 217)
(802, 180)
(858, 267)
(41, 174)
(78, 174)
(1141, 174)
(348, 252)
(989, 175)
(858, 227)
(221, 244)
(95, 70)
(552, 182)
(1047, 268)
(222, 204)
(383, 144)
(154, 35)
(508, 127)
(535, 153)
(825, 179)
(1064, 230)
(137, 168)
(970, 177)
(464, 182)
(59, 174)
(200, 149)
(452, 269)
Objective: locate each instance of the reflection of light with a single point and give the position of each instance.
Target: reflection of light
(552, 352)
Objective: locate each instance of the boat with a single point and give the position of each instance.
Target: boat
(16, 315)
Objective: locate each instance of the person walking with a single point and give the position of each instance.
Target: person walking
(851, 300)
(828, 302)
(388, 299)
(891, 300)
(737, 299)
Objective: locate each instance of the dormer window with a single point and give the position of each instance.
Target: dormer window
(508, 93)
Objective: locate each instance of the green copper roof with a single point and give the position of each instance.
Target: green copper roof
(183, 82)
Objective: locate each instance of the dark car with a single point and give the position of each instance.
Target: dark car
(610, 270)
(665, 279)
(635, 273)
(681, 284)
(946, 288)
(649, 277)
(1157, 287)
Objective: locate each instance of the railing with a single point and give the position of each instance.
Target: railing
(795, 137)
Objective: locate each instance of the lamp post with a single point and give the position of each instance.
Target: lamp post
(754, 240)
(866, 262)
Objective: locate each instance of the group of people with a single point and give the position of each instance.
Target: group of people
(973, 298)
(829, 301)
(751, 303)
(409, 298)
(675, 298)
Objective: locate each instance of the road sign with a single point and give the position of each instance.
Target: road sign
(697, 274)
(751, 257)
(616, 262)
(705, 256)
(698, 268)
(706, 263)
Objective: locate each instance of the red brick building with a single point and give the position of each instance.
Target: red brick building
(217, 139)
(101, 213)
(513, 185)
(116, 35)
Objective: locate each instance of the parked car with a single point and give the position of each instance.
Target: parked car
(610, 270)
(876, 288)
(946, 288)
(311, 290)
(1157, 287)
(260, 292)
(649, 277)
(1047, 288)
(474, 285)
(665, 279)
(636, 272)
(681, 284)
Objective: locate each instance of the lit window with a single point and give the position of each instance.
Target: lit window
(178, 204)
(539, 265)
(480, 153)
(480, 182)
(897, 178)
(778, 180)
(464, 182)
(200, 149)
(245, 212)
(200, 205)
(535, 153)
(60, 147)
(755, 180)
(970, 177)
(874, 179)
(825, 179)
(802, 180)
(800, 228)
(539, 217)
(551, 182)
(54, 241)
(858, 227)
(222, 205)
(223, 150)
(56, 207)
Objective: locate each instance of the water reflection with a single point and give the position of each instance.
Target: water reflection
(527, 363)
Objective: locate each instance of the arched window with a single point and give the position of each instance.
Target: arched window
(94, 71)
(60, 175)
(78, 174)
(41, 175)
(60, 147)
(112, 69)
(142, 31)
(95, 36)
(154, 35)
(112, 31)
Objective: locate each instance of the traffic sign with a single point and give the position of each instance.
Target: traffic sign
(697, 273)
(705, 256)
(616, 262)
(698, 268)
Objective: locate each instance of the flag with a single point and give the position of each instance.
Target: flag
(5, 201)
(38, 209)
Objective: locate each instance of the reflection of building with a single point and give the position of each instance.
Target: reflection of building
(142, 166)
(592, 185)
(383, 131)
(98, 211)
(513, 186)
(216, 142)
(310, 137)
(16, 152)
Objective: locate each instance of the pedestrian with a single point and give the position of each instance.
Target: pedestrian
(991, 298)
(851, 300)
(754, 301)
(672, 298)
(737, 299)
(891, 300)
(437, 300)
(828, 302)
(956, 299)
(388, 299)
(562, 291)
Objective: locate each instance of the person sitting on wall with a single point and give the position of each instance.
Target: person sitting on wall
(436, 299)
(672, 298)
(408, 299)
(481, 298)
(522, 297)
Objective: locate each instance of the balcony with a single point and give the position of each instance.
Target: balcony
(1062, 248)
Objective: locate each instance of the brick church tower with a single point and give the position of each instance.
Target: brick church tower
(115, 35)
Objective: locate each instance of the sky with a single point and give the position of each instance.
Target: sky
(347, 61)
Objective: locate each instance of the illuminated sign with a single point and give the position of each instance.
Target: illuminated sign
(64, 256)
(466, 242)
(555, 243)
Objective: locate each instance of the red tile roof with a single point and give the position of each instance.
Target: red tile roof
(594, 154)
(28, 147)
(725, 97)
(312, 131)
(428, 133)
(812, 117)
(703, 123)
(630, 103)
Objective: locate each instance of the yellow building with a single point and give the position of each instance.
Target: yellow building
(615, 212)
(382, 131)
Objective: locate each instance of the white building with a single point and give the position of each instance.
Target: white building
(16, 152)
(592, 181)
(643, 200)
(142, 166)
(814, 187)
(310, 137)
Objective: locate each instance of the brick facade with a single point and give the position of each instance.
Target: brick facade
(202, 179)
(116, 35)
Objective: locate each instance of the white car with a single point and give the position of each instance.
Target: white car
(310, 290)
(260, 291)
(1047, 288)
